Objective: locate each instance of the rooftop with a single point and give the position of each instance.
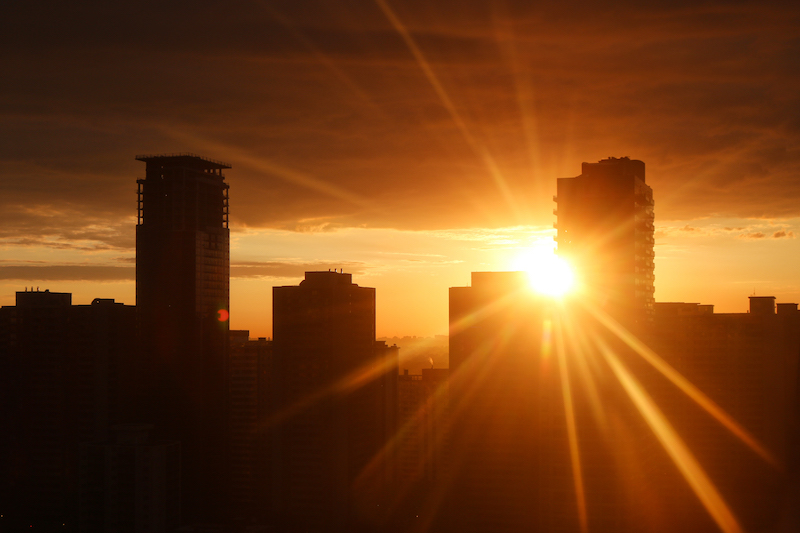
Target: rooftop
(185, 158)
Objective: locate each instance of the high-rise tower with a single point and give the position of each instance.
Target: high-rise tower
(182, 291)
(605, 229)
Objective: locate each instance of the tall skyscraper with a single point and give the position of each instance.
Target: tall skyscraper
(605, 229)
(333, 404)
(182, 292)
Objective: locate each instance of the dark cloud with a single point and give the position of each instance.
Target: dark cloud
(783, 234)
(325, 115)
(754, 235)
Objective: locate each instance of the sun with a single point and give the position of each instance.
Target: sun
(547, 273)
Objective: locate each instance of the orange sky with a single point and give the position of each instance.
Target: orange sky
(409, 143)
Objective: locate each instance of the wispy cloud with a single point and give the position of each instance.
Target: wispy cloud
(278, 269)
(35, 273)
(745, 229)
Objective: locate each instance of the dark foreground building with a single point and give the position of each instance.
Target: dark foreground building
(130, 483)
(747, 364)
(335, 405)
(495, 377)
(65, 378)
(182, 300)
(250, 372)
(558, 422)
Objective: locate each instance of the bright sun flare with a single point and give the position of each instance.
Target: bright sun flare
(547, 273)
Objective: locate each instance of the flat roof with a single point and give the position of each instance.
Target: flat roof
(183, 157)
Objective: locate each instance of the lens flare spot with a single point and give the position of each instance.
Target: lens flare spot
(223, 315)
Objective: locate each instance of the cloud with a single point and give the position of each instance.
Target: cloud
(35, 273)
(278, 269)
(325, 114)
(65, 226)
(251, 269)
(751, 229)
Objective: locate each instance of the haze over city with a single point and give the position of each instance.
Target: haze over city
(409, 143)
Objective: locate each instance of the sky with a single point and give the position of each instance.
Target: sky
(407, 142)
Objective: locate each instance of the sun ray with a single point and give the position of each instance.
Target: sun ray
(580, 347)
(478, 147)
(356, 378)
(672, 443)
(323, 58)
(495, 306)
(572, 433)
(268, 166)
(506, 39)
(683, 384)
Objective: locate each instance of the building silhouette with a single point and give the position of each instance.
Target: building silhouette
(65, 377)
(334, 405)
(250, 373)
(129, 483)
(496, 328)
(422, 451)
(605, 229)
(747, 364)
(182, 300)
(555, 408)
(422, 421)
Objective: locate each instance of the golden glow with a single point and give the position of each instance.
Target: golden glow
(548, 273)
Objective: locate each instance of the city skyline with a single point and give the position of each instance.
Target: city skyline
(408, 144)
